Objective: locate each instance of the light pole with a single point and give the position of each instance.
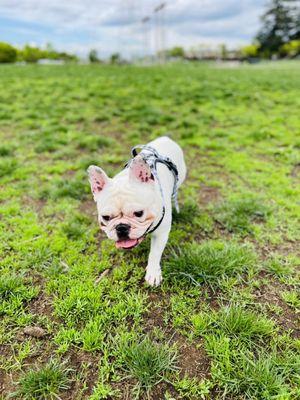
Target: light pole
(160, 32)
(145, 26)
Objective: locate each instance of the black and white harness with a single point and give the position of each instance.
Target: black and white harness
(152, 158)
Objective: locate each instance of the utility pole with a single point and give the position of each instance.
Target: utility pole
(145, 26)
(160, 32)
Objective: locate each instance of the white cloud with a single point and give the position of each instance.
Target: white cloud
(115, 25)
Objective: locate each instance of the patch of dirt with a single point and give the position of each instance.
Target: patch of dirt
(41, 354)
(208, 194)
(88, 207)
(158, 304)
(41, 306)
(69, 173)
(286, 248)
(270, 294)
(193, 360)
(295, 173)
(125, 389)
(85, 365)
(159, 391)
(35, 204)
(6, 383)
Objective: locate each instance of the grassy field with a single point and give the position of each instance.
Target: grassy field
(77, 320)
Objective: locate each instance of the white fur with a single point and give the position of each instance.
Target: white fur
(121, 196)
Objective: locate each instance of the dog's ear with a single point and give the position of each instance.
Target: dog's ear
(98, 179)
(140, 170)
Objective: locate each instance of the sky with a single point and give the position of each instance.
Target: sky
(115, 25)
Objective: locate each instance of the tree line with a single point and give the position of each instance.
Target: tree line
(32, 54)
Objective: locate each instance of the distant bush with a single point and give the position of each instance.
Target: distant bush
(115, 58)
(8, 54)
(290, 49)
(250, 51)
(177, 52)
(93, 56)
(30, 54)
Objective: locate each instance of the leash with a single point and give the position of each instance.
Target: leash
(152, 158)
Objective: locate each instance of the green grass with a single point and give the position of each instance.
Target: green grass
(233, 321)
(239, 372)
(45, 382)
(147, 362)
(224, 323)
(238, 215)
(209, 262)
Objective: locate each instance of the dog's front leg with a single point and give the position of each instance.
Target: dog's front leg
(158, 243)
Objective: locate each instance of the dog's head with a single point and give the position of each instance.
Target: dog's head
(127, 204)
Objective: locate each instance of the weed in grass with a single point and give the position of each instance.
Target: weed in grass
(193, 388)
(293, 299)
(280, 266)
(209, 262)
(147, 362)
(14, 293)
(10, 285)
(103, 391)
(6, 151)
(234, 321)
(65, 337)
(44, 382)
(237, 215)
(92, 336)
(7, 166)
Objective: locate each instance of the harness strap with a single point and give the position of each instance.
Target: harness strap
(152, 158)
(157, 225)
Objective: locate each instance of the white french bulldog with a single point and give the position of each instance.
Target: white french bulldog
(138, 201)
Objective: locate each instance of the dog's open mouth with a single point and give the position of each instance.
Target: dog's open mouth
(128, 243)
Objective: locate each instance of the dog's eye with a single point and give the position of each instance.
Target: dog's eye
(106, 217)
(138, 213)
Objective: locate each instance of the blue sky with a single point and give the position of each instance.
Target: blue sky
(115, 25)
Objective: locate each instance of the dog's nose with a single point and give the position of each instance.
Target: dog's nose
(122, 230)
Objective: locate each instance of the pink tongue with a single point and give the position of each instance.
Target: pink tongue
(125, 244)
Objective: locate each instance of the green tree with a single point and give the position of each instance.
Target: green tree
(279, 25)
(8, 54)
(66, 57)
(93, 56)
(290, 49)
(32, 54)
(177, 52)
(115, 58)
(250, 51)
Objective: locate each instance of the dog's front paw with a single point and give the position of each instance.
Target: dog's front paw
(153, 277)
